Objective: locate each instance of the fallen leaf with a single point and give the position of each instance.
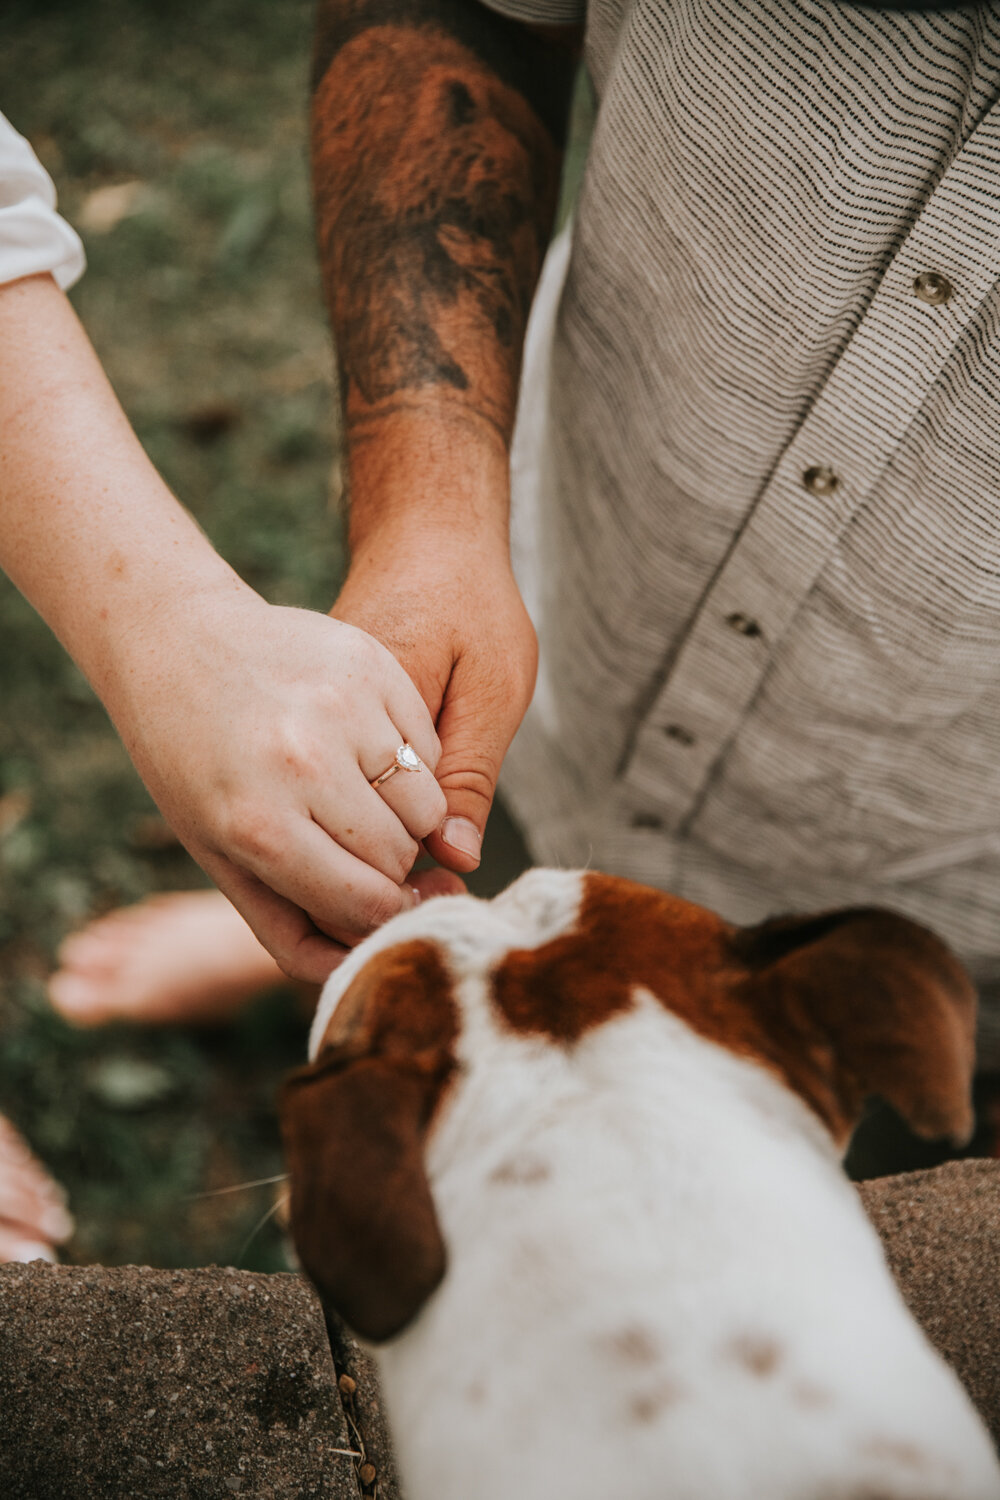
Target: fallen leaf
(127, 1083)
(105, 207)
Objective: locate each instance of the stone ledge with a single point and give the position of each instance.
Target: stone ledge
(941, 1233)
(131, 1384)
(195, 1385)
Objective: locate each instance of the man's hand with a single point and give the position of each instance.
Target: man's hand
(450, 612)
(258, 729)
(437, 131)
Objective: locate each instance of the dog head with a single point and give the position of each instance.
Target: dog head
(838, 1007)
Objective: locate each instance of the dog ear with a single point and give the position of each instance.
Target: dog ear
(863, 1002)
(354, 1124)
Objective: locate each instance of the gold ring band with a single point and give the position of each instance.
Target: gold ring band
(406, 759)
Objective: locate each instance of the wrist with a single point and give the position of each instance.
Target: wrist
(133, 626)
(89, 532)
(428, 478)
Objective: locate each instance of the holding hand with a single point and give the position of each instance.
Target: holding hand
(259, 730)
(448, 608)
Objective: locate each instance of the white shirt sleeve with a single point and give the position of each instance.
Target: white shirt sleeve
(33, 237)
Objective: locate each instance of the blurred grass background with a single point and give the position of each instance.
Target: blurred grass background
(176, 135)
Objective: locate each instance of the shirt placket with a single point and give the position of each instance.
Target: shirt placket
(943, 270)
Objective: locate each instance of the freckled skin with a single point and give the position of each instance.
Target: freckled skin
(435, 183)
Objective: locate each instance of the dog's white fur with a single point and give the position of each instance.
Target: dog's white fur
(660, 1284)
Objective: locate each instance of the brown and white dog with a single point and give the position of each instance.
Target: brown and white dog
(571, 1157)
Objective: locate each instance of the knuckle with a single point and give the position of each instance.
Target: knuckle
(479, 779)
(405, 859)
(369, 657)
(433, 757)
(428, 819)
(297, 752)
(249, 836)
(286, 961)
(514, 691)
(375, 907)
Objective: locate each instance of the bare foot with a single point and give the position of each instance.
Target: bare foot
(33, 1216)
(179, 959)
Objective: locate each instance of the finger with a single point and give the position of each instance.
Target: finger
(297, 888)
(430, 883)
(28, 1195)
(475, 733)
(364, 825)
(408, 712)
(18, 1243)
(406, 781)
(41, 1217)
(293, 940)
(411, 794)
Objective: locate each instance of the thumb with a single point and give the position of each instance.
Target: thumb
(478, 720)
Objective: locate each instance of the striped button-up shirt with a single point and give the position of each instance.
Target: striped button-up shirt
(757, 466)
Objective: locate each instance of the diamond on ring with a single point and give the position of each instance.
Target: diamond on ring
(406, 759)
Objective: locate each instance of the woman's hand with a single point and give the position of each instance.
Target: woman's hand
(258, 730)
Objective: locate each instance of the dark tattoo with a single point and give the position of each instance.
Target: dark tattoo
(435, 181)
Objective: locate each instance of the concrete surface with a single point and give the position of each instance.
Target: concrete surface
(123, 1384)
(941, 1232)
(198, 1385)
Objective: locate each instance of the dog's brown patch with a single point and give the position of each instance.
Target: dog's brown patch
(646, 1406)
(894, 1451)
(400, 1005)
(810, 1395)
(840, 1006)
(522, 1171)
(632, 1345)
(355, 1123)
(626, 935)
(756, 1352)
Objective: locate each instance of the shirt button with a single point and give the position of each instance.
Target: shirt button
(647, 822)
(680, 734)
(743, 624)
(932, 287)
(819, 480)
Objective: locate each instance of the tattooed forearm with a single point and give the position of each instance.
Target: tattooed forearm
(435, 163)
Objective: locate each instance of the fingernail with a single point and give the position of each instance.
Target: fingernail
(26, 1250)
(417, 898)
(462, 835)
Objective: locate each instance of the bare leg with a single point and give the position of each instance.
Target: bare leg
(33, 1216)
(179, 959)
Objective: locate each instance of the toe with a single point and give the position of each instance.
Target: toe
(78, 998)
(17, 1244)
(33, 1209)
